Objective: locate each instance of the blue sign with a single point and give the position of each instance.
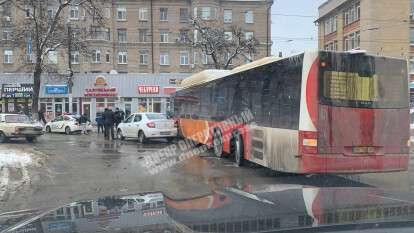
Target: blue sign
(59, 225)
(57, 89)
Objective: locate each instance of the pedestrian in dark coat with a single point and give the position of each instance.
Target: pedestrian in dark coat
(100, 122)
(109, 120)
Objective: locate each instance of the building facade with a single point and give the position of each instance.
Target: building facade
(144, 36)
(381, 27)
(91, 93)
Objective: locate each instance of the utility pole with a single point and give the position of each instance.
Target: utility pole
(70, 73)
(152, 38)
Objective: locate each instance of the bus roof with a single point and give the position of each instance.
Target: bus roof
(210, 75)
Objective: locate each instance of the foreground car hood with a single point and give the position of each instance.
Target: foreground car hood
(278, 208)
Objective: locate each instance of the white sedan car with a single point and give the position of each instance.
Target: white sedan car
(65, 124)
(147, 125)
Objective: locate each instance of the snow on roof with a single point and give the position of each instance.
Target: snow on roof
(210, 75)
(204, 77)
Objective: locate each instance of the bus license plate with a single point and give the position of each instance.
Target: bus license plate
(363, 150)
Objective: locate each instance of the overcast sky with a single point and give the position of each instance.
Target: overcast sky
(292, 34)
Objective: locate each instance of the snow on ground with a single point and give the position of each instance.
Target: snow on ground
(14, 158)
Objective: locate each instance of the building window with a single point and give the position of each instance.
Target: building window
(121, 14)
(195, 12)
(248, 35)
(7, 34)
(143, 14)
(352, 14)
(50, 12)
(122, 57)
(122, 35)
(164, 58)
(52, 57)
(107, 57)
(74, 57)
(184, 58)
(74, 12)
(412, 35)
(205, 59)
(99, 33)
(96, 56)
(228, 16)
(195, 58)
(411, 65)
(205, 13)
(8, 56)
(164, 36)
(143, 35)
(28, 11)
(143, 57)
(184, 36)
(352, 41)
(163, 14)
(249, 17)
(331, 25)
(412, 7)
(183, 15)
(228, 35)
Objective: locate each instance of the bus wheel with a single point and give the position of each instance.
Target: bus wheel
(238, 149)
(218, 144)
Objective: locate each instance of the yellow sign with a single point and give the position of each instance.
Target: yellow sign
(350, 86)
(100, 81)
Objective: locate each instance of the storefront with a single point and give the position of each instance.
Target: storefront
(131, 93)
(55, 101)
(91, 93)
(16, 97)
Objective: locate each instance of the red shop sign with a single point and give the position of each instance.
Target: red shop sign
(101, 92)
(148, 89)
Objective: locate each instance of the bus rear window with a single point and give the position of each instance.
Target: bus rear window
(362, 81)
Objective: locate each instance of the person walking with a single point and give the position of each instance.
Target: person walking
(83, 120)
(119, 117)
(100, 122)
(109, 119)
(41, 116)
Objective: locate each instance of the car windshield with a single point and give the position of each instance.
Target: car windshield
(156, 116)
(17, 119)
(221, 116)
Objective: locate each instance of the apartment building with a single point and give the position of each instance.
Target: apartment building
(144, 36)
(380, 27)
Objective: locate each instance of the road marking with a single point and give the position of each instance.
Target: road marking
(4, 181)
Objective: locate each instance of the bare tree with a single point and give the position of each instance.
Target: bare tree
(43, 28)
(223, 47)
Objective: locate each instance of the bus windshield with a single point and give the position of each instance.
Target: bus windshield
(361, 81)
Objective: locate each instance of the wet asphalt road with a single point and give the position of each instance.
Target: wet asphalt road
(82, 167)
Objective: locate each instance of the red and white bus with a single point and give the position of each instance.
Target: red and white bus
(316, 112)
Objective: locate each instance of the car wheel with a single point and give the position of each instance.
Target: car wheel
(120, 135)
(3, 137)
(238, 149)
(141, 137)
(67, 130)
(218, 143)
(48, 129)
(170, 139)
(30, 139)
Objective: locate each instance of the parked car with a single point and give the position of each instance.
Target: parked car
(148, 125)
(18, 126)
(65, 124)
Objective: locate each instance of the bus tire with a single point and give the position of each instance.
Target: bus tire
(218, 143)
(238, 149)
